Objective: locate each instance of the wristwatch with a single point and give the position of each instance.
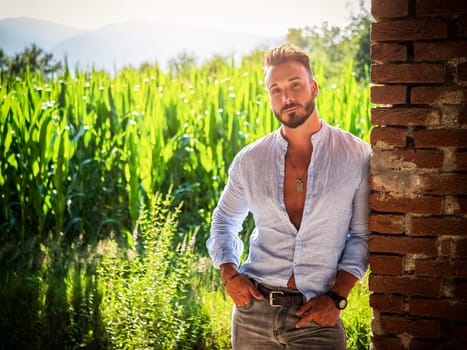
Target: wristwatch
(341, 302)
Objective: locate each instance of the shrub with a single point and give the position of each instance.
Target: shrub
(145, 290)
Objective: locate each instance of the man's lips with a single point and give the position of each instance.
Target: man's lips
(289, 109)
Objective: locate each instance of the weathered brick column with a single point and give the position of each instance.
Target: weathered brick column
(418, 245)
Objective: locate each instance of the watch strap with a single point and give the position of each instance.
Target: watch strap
(337, 299)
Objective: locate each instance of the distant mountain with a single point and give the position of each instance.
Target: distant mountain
(17, 33)
(126, 43)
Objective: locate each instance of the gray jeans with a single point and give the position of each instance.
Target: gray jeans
(258, 326)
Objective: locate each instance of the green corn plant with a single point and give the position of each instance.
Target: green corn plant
(84, 162)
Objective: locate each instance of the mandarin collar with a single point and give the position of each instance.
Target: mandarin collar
(316, 137)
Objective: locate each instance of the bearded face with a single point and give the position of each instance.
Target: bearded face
(292, 92)
(298, 113)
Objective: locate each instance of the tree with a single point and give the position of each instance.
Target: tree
(335, 46)
(4, 61)
(182, 63)
(34, 59)
(295, 36)
(213, 64)
(255, 57)
(360, 27)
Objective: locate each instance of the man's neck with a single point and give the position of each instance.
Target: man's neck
(300, 138)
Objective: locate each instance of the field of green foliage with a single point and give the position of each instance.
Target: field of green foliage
(107, 185)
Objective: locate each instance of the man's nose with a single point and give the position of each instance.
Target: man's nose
(286, 99)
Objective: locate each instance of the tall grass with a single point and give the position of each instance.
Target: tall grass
(79, 157)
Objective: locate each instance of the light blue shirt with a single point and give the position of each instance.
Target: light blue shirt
(333, 234)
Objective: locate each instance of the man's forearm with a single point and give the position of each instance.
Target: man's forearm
(344, 283)
(227, 270)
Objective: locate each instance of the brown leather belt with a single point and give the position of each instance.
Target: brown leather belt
(278, 298)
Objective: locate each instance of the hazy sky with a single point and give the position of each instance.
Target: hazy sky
(270, 17)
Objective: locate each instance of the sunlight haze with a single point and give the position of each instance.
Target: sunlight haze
(265, 17)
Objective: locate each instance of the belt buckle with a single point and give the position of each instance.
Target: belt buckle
(271, 297)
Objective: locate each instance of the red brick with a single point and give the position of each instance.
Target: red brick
(462, 201)
(408, 73)
(388, 52)
(388, 137)
(422, 159)
(386, 343)
(453, 247)
(386, 181)
(424, 205)
(386, 264)
(439, 51)
(440, 7)
(424, 344)
(462, 117)
(458, 345)
(442, 184)
(405, 285)
(462, 72)
(461, 161)
(405, 116)
(438, 94)
(389, 94)
(387, 303)
(403, 181)
(462, 26)
(461, 248)
(436, 308)
(402, 245)
(435, 138)
(460, 293)
(393, 224)
(459, 332)
(409, 30)
(415, 327)
(437, 226)
(389, 9)
(441, 268)
(447, 246)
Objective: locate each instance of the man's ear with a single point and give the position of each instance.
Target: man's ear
(314, 87)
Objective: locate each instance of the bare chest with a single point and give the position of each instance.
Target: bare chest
(294, 194)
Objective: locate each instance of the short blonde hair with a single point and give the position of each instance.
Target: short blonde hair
(287, 53)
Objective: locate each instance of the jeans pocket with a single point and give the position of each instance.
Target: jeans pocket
(247, 306)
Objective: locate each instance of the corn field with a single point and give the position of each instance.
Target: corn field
(80, 153)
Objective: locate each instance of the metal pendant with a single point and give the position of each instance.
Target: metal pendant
(299, 185)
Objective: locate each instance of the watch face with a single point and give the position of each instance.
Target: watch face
(341, 302)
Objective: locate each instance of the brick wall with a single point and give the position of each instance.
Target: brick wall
(418, 245)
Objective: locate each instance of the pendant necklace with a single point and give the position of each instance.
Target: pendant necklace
(299, 184)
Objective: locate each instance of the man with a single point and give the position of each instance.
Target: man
(306, 185)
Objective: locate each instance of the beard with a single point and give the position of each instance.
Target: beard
(294, 120)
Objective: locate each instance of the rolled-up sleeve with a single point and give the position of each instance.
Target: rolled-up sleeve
(224, 245)
(355, 255)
